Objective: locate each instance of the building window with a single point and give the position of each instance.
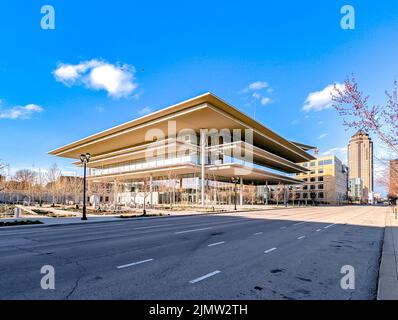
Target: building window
(320, 179)
(305, 187)
(320, 195)
(305, 195)
(312, 187)
(312, 171)
(320, 171)
(305, 165)
(305, 180)
(106, 199)
(313, 179)
(327, 162)
(321, 163)
(313, 163)
(320, 186)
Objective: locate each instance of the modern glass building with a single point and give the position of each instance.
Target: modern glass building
(201, 151)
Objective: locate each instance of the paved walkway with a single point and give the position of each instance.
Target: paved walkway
(388, 275)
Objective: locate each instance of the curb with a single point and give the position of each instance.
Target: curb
(388, 272)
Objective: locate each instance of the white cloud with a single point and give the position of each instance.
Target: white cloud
(144, 111)
(117, 80)
(258, 85)
(256, 95)
(265, 101)
(20, 112)
(320, 123)
(334, 151)
(320, 100)
(322, 136)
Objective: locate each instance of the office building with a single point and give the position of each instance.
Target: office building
(360, 161)
(325, 182)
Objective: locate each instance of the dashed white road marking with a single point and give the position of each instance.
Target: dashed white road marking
(216, 244)
(269, 250)
(318, 230)
(193, 230)
(329, 226)
(257, 234)
(297, 224)
(284, 227)
(300, 238)
(134, 263)
(211, 274)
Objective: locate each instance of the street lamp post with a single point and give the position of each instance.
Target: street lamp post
(235, 180)
(84, 158)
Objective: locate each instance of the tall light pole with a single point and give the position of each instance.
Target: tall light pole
(84, 158)
(235, 180)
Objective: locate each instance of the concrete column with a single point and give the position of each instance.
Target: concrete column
(266, 199)
(151, 190)
(114, 193)
(285, 196)
(241, 192)
(203, 138)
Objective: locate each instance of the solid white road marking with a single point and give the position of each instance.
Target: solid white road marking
(257, 234)
(300, 238)
(205, 276)
(216, 244)
(134, 263)
(329, 226)
(193, 230)
(269, 250)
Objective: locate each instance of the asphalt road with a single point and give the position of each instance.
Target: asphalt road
(279, 254)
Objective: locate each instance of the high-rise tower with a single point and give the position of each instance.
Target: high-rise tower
(360, 161)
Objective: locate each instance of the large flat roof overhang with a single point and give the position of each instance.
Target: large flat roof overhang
(203, 112)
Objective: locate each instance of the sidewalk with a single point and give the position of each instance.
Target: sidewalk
(388, 274)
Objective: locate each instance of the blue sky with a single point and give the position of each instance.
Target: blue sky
(160, 53)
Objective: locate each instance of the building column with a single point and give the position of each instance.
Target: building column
(114, 193)
(151, 190)
(203, 138)
(266, 198)
(285, 196)
(241, 192)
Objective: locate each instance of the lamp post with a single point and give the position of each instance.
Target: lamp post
(84, 158)
(235, 180)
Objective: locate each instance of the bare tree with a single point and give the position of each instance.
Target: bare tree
(26, 179)
(53, 175)
(382, 120)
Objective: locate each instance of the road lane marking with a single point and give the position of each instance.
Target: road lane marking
(205, 277)
(134, 263)
(269, 250)
(297, 224)
(329, 226)
(257, 234)
(318, 230)
(300, 238)
(216, 244)
(193, 230)
(284, 227)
